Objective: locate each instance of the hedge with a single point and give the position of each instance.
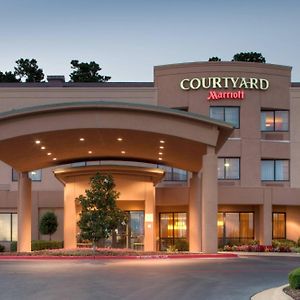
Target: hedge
(294, 279)
(40, 245)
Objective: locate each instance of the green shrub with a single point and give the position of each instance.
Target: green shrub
(39, 245)
(172, 248)
(298, 242)
(182, 245)
(283, 243)
(2, 248)
(13, 247)
(42, 245)
(294, 279)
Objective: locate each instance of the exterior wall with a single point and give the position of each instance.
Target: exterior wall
(247, 142)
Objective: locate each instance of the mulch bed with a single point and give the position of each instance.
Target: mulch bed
(295, 294)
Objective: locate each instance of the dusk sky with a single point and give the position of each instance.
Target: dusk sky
(128, 38)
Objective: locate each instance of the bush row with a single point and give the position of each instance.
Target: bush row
(40, 245)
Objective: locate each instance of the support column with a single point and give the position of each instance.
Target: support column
(150, 216)
(69, 217)
(265, 220)
(24, 213)
(195, 213)
(209, 202)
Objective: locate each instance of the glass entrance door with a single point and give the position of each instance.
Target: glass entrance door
(131, 235)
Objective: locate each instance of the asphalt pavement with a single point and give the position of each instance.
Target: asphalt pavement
(217, 279)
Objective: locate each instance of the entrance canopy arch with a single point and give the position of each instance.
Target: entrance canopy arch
(143, 129)
(42, 136)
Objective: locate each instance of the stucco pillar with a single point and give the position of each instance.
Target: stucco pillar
(265, 220)
(69, 217)
(149, 228)
(209, 202)
(195, 213)
(24, 213)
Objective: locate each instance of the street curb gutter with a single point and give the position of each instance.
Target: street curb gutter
(142, 257)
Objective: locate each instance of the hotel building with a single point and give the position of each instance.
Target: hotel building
(208, 153)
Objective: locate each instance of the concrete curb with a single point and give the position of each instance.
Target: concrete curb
(142, 257)
(272, 294)
(273, 254)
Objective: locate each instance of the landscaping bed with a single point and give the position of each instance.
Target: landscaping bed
(293, 293)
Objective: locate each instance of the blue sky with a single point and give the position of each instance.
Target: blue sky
(127, 38)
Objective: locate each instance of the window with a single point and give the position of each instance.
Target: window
(8, 227)
(229, 114)
(228, 168)
(173, 174)
(275, 170)
(274, 120)
(172, 228)
(279, 226)
(235, 227)
(33, 175)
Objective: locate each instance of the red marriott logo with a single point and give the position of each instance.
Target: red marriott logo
(238, 95)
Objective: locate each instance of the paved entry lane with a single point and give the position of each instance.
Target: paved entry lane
(206, 279)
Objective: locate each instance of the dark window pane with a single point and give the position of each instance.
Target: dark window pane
(267, 170)
(281, 170)
(232, 115)
(232, 168)
(217, 113)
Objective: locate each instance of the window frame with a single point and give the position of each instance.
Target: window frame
(224, 239)
(13, 172)
(227, 157)
(172, 174)
(274, 166)
(283, 213)
(11, 225)
(274, 118)
(224, 107)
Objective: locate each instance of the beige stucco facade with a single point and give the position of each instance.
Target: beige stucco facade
(143, 114)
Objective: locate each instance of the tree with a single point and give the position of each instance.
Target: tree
(48, 224)
(214, 58)
(86, 72)
(100, 215)
(8, 77)
(29, 70)
(249, 57)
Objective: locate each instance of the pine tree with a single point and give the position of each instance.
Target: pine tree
(48, 224)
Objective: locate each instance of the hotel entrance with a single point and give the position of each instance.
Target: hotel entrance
(130, 235)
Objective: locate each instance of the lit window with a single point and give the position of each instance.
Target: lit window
(8, 227)
(228, 168)
(274, 120)
(33, 175)
(274, 169)
(279, 226)
(229, 114)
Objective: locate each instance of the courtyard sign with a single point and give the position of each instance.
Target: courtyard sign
(235, 83)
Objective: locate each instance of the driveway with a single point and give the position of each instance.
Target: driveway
(217, 279)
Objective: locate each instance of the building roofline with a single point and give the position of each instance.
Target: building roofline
(76, 84)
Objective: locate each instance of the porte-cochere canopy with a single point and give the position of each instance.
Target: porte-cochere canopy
(42, 136)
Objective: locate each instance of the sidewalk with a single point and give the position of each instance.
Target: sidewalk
(272, 294)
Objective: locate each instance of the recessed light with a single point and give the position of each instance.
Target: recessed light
(43, 148)
(81, 139)
(160, 153)
(90, 152)
(162, 141)
(37, 142)
(123, 152)
(54, 158)
(159, 158)
(49, 153)
(119, 139)
(161, 147)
